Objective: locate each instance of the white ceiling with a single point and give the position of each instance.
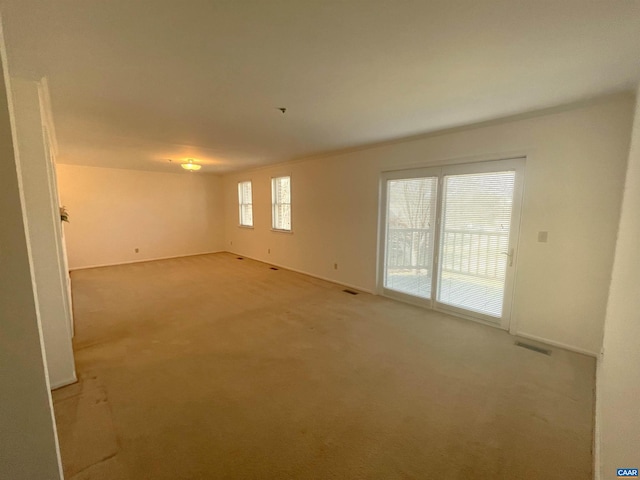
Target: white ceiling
(136, 82)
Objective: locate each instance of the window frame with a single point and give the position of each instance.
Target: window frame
(242, 202)
(274, 205)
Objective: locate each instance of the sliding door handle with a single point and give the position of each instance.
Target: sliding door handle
(510, 255)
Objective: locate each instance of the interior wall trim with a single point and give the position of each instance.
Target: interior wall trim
(326, 279)
(553, 343)
(63, 383)
(141, 261)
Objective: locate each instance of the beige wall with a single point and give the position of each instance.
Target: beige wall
(618, 385)
(573, 187)
(28, 444)
(115, 211)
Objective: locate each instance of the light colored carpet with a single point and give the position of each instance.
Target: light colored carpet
(209, 367)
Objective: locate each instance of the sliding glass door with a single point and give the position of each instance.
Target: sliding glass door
(450, 235)
(411, 207)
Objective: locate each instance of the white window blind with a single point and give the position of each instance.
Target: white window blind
(281, 203)
(245, 203)
(474, 250)
(411, 207)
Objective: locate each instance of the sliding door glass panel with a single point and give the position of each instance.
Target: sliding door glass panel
(474, 251)
(411, 208)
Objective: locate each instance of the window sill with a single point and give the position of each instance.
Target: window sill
(248, 227)
(278, 230)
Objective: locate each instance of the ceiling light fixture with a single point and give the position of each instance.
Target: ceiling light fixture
(192, 167)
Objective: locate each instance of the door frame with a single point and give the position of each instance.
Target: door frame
(515, 163)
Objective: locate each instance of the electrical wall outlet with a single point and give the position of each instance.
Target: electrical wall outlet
(268, 250)
(335, 266)
(543, 237)
(137, 250)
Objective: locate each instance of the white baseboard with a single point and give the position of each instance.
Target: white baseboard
(596, 425)
(141, 261)
(553, 343)
(63, 383)
(319, 277)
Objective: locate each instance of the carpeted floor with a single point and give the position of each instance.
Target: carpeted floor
(209, 367)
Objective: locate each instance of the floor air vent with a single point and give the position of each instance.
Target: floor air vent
(273, 268)
(528, 346)
(350, 292)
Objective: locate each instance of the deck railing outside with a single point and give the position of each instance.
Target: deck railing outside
(468, 252)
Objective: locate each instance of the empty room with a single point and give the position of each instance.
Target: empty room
(313, 240)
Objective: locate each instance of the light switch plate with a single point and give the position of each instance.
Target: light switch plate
(543, 236)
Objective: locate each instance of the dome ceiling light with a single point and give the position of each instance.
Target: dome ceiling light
(189, 165)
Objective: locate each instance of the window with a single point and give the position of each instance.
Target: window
(245, 204)
(281, 203)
